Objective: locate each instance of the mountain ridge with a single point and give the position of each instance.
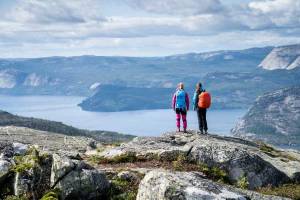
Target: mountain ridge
(274, 117)
(283, 57)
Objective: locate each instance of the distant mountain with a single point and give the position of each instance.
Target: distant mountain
(118, 98)
(285, 57)
(274, 118)
(8, 119)
(121, 83)
(80, 75)
(230, 90)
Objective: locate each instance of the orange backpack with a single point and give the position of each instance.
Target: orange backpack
(204, 100)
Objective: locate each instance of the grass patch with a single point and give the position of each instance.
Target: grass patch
(179, 164)
(51, 195)
(266, 148)
(24, 163)
(214, 173)
(129, 157)
(242, 182)
(276, 154)
(28, 161)
(21, 167)
(123, 190)
(288, 190)
(16, 198)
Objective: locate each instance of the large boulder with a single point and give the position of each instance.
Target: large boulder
(77, 180)
(239, 158)
(6, 154)
(27, 172)
(166, 185)
(4, 169)
(32, 174)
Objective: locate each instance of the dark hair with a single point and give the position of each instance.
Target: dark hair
(198, 87)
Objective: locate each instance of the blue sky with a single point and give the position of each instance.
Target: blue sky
(38, 28)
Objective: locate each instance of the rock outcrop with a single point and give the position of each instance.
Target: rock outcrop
(76, 179)
(285, 57)
(47, 141)
(273, 118)
(33, 173)
(174, 166)
(239, 158)
(166, 185)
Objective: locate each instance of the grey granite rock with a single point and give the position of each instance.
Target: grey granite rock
(237, 157)
(166, 185)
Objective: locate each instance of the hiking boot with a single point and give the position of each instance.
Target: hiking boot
(178, 129)
(184, 131)
(205, 132)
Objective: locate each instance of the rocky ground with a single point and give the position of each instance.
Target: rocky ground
(47, 141)
(173, 166)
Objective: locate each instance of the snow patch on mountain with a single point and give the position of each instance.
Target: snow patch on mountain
(35, 80)
(95, 85)
(295, 64)
(285, 57)
(7, 80)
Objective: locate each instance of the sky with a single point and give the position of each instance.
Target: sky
(40, 28)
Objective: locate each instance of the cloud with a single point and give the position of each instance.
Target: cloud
(55, 11)
(170, 25)
(281, 13)
(177, 7)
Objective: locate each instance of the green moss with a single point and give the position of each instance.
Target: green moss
(285, 157)
(51, 195)
(266, 148)
(214, 173)
(242, 182)
(21, 167)
(289, 190)
(129, 157)
(25, 162)
(179, 164)
(123, 190)
(32, 151)
(29, 160)
(16, 198)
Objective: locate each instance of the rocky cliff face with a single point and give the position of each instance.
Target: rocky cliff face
(285, 57)
(173, 166)
(274, 118)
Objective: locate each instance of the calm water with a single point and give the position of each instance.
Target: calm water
(145, 122)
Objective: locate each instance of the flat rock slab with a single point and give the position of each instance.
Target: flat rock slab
(166, 185)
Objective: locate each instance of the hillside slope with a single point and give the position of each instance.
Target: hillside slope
(285, 57)
(274, 117)
(8, 119)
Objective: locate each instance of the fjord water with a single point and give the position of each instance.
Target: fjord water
(144, 122)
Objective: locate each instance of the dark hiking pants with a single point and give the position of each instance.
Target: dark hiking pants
(201, 112)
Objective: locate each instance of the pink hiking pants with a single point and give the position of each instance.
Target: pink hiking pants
(183, 116)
